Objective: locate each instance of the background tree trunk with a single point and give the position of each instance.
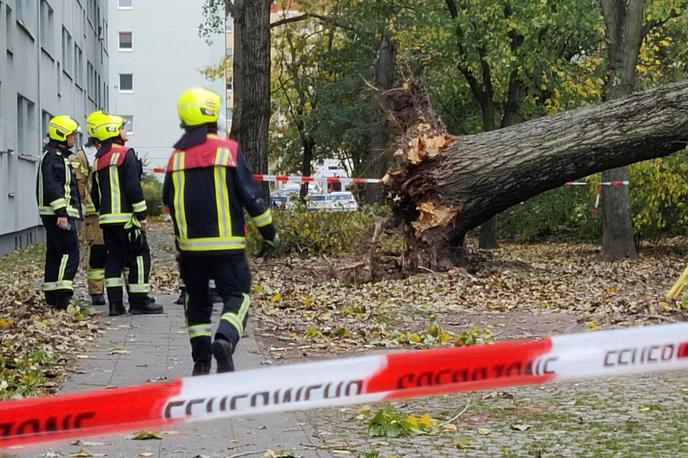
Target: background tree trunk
(442, 186)
(251, 117)
(308, 145)
(624, 30)
(378, 137)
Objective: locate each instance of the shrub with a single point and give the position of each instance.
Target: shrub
(659, 191)
(152, 192)
(309, 233)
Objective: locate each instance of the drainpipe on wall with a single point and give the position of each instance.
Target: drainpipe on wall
(39, 111)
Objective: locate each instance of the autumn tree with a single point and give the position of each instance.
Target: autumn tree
(443, 186)
(627, 26)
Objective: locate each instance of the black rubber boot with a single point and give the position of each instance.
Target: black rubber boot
(146, 308)
(201, 368)
(97, 299)
(117, 308)
(181, 298)
(222, 351)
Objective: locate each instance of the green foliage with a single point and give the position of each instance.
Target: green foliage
(561, 212)
(23, 375)
(432, 336)
(152, 192)
(659, 192)
(307, 233)
(473, 336)
(390, 423)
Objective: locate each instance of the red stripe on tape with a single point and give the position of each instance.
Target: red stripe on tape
(479, 367)
(24, 420)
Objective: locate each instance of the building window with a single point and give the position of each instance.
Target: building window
(78, 65)
(229, 25)
(59, 80)
(26, 14)
(125, 4)
(45, 121)
(26, 129)
(21, 10)
(125, 41)
(126, 82)
(47, 26)
(67, 59)
(130, 123)
(90, 75)
(9, 30)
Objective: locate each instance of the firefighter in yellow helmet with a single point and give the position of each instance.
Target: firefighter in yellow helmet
(83, 162)
(118, 199)
(59, 207)
(207, 187)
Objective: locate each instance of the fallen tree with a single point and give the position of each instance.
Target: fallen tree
(441, 186)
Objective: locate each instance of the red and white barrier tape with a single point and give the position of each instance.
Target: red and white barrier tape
(299, 178)
(345, 381)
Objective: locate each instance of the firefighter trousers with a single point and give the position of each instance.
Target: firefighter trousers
(120, 257)
(232, 282)
(61, 261)
(96, 255)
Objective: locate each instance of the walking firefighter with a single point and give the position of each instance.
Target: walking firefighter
(207, 186)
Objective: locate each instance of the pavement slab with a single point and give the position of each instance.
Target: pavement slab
(138, 349)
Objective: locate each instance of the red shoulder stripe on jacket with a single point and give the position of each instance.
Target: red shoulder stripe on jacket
(115, 156)
(214, 151)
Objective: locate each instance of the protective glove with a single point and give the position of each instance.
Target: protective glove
(270, 247)
(134, 233)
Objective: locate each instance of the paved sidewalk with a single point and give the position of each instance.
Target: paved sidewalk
(137, 349)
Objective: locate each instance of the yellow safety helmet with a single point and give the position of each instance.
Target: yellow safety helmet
(60, 127)
(92, 120)
(108, 126)
(198, 106)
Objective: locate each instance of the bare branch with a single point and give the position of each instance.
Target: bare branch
(325, 19)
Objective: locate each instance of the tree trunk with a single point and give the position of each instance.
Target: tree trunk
(308, 145)
(251, 117)
(624, 30)
(378, 140)
(442, 186)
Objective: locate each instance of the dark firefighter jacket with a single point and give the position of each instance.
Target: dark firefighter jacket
(206, 188)
(56, 189)
(117, 192)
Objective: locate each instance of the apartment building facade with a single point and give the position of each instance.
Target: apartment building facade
(53, 60)
(156, 53)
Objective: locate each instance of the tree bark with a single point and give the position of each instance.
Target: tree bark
(624, 30)
(442, 186)
(378, 138)
(308, 145)
(251, 117)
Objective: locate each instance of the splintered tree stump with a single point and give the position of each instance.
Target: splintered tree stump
(441, 186)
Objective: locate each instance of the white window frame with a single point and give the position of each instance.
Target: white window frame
(119, 84)
(119, 42)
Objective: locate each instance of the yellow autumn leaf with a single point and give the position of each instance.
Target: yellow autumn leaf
(427, 421)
